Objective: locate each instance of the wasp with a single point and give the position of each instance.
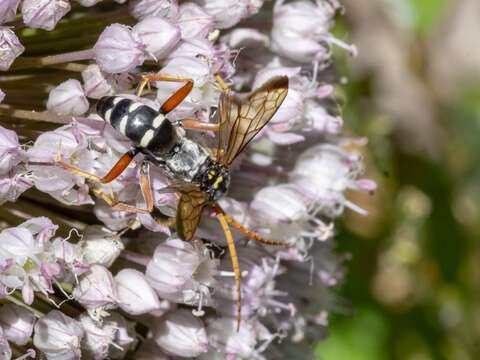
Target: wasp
(199, 175)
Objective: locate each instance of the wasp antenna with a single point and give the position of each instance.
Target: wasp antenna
(221, 216)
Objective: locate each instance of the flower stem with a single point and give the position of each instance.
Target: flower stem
(19, 302)
(135, 258)
(34, 62)
(46, 116)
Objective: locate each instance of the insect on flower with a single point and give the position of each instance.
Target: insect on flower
(199, 174)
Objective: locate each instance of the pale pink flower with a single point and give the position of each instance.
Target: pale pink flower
(180, 333)
(301, 30)
(145, 8)
(17, 323)
(158, 35)
(68, 98)
(194, 22)
(98, 337)
(5, 350)
(44, 14)
(95, 83)
(10, 48)
(118, 49)
(135, 295)
(8, 9)
(100, 246)
(227, 13)
(96, 288)
(58, 336)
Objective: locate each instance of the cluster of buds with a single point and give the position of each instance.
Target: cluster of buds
(131, 287)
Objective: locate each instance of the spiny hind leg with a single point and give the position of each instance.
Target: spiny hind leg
(252, 234)
(234, 258)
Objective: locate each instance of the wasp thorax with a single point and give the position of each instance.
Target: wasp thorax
(215, 181)
(146, 127)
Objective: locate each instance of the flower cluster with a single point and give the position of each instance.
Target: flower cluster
(179, 297)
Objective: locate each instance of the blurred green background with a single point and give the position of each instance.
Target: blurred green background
(414, 92)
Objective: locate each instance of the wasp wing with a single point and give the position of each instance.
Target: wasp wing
(241, 120)
(189, 212)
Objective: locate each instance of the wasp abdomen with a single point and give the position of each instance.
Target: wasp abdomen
(143, 125)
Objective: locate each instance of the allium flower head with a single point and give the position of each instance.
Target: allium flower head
(88, 288)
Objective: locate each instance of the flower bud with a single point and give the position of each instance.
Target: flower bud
(44, 14)
(8, 9)
(98, 337)
(68, 98)
(100, 246)
(145, 8)
(182, 272)
(10, 48)
(125, 337)
(10, 151)
(135, 295)
(18, 244)
(268, 204)
(227, 13)
(58, 336)
(194, 21)
(95, 83)
(118, 50)
(223, 335)
(17, 323)
(11, 187)
(5, 350)
(158, 35)
(96, 288)
(180, 333)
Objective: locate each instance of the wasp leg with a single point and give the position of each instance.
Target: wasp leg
(194, 124)
(145, 187)
(234, 257)
(221, 83)
(173, 101)
(252, 234)
(114, 172)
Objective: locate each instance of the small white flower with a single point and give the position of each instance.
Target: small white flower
(10, 48)
(68, 98)
(100, 246)
(158, 35)
(182, 272)
(180, 333)
(44, 14)
(58, 336)
(96, 288)
(95, 83)
(98, 337)
(118, 49)
(17, 323)
(135, 295)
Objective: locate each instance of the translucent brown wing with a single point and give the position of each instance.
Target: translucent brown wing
(189, 212)
(241, 120)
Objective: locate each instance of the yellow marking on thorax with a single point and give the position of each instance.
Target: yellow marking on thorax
(218, 182)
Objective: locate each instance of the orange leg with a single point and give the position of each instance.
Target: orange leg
(194, 124)
(115, 172)
(234, 257)
(173, 101)
(145, 187)
(253, 235)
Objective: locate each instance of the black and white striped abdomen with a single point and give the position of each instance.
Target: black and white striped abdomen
(143, 125)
